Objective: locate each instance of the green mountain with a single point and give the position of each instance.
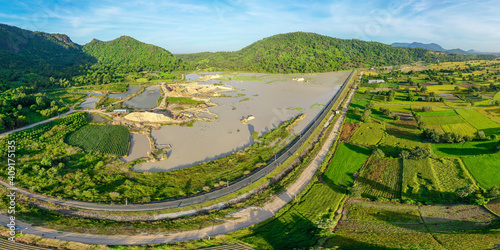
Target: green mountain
(129, 55)
(429, 46)
(310, 52)
(23, 51)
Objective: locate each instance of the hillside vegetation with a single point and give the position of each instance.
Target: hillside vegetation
(24, 53)
(129, 55)
(310, 52)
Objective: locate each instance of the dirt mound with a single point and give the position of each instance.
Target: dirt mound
(148, 117)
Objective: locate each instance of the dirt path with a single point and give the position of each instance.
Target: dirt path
(163, 104)
(247, 216)
(71, 110)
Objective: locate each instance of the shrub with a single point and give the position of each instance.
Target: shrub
(480, 135)
(418, 153)
(377, 152)
(466, 191)
(366, 115)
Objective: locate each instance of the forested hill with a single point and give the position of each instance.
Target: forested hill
(129, 55)
(24, 51)
(310, 52)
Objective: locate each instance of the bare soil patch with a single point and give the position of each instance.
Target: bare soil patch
(348, 129)
(494, 206)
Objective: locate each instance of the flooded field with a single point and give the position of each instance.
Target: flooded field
(271, 99)
(89, 102)
(139, 146)
(145, 100)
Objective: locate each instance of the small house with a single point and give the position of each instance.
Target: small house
(376, 81)
(120, 111)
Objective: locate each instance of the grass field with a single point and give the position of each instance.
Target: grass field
(420, 181)
(295, 228)
(347, 160)
(485, 169)
(464, 149)
(394, 108)
(442, 120)
(440, 89)
(491, 112)
(461, 128)
(438, 113)
(451, 174)
(108, 139)
(477, 120)
(360, 100)
(368, 134)
(381, 178)
(457, 104)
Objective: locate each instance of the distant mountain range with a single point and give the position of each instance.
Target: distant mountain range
(23, 52)
(310, 52)
(437, 47)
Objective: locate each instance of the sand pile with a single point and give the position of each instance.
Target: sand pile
(210, 77)
(147, 117)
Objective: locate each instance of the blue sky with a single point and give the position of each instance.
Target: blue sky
(227, 25)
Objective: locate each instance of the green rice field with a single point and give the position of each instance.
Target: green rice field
(485, 169)
(348, 159)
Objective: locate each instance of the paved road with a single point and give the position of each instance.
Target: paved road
(247, 217)
(235, 186)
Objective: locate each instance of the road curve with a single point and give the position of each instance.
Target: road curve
(218, 193)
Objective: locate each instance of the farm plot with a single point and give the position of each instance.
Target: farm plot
(420, 181)
(372, 225)
(485, 169)
(346, 161)
(494, 205)
(472, 148)
(461, 128)
(360, 100)
(394, 108)
(368, 134)
(442, 120)
(478, 120)
(438, 113)
(491, 112)
(457, 217)
(440, 89)
(295, 227)
(451, 174)
(348, 129)
(107, 139)
(381, 178)
(392, 145)
(457, 104)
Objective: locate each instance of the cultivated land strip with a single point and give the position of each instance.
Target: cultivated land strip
(247, 217)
